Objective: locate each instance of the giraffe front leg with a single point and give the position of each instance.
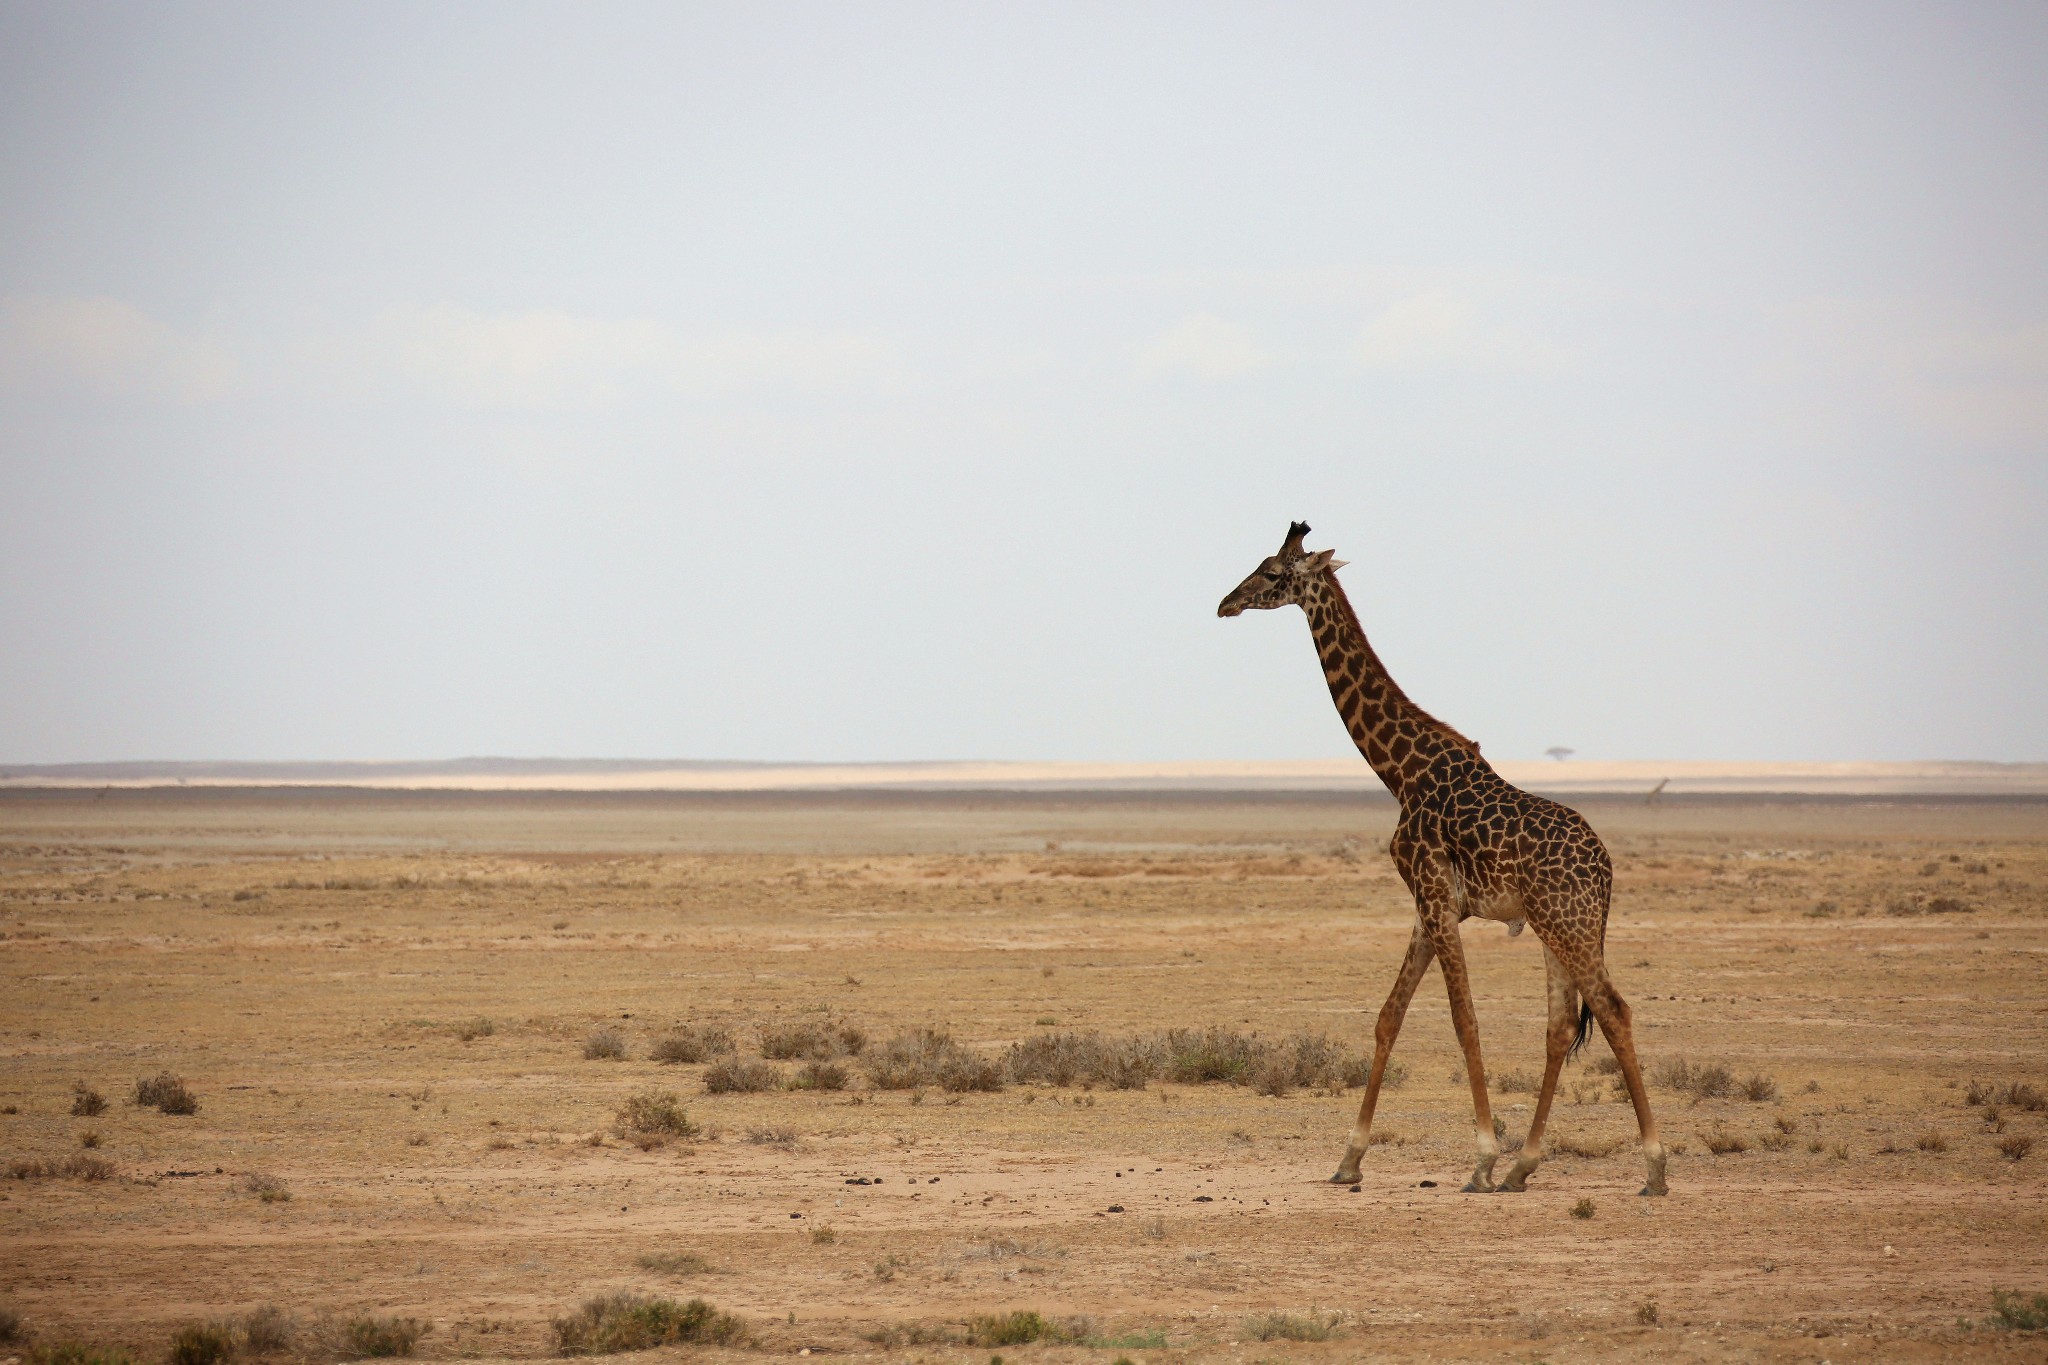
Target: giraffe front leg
(1451, 953)
(1384, 1034)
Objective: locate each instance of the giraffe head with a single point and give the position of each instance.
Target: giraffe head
(1282, 579)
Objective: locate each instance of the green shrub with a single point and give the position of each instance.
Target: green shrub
(653, 1114)
(2020, 1312)
(611, 1323)
(1018, 1328)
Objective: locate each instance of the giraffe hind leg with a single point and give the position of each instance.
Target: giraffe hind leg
(1559, 1044)
(1613, 1015)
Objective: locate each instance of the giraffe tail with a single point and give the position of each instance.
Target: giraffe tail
(1585, 1030)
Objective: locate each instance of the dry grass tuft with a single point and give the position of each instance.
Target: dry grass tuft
(1514, 1083)
(10, 1326)
(472, 1029)
(72, 1353)
(86, 1102)
(611, 1323)
(1721, 1142)
(1583, 1209)
(1019, 1328)
(166, 1093)
(1593, 1149)
(369, 1337)
(2011, 1095)
(772, 1137)
(77, 1166)
(674, 1263)
(2015, 1146)
(1646, 1313)
(815, 1075)
(1309, 1326)
(1933, 1140)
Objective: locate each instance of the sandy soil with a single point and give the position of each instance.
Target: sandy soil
(307, 962)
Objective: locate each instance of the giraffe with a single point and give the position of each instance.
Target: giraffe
(1467, 844)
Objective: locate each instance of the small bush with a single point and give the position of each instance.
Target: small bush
(1721, 1142)
(472, 1029)
(1697, 1079)
(772, 1137)
(1646, 1313)
(896, 1336)
(1591, 1148)
(1311, 1326)
(267, 1187)
(1514, 1083)
(1583, 1209)
(268, 1329)
(925, 1057)
(605, 1045)
(2015, 1146)
(813, 1039)
(1760, 1089)
(816, 1075)
(202, 1343)
(611, 1323)
(369, 1337)
(653, 1114)
(674, 1263)
(1933, 1140)
(89, 1139)
(1019, 1328)
(10, 1326)
(731, 1076)
(166, 1093)
(1609, 1065)
(693, 1044)
(824, 1235)
(2020, 1312)
(86, 1101)
(77, 1166)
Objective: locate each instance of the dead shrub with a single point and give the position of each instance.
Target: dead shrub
(267, 1187)
(86, 1102)
(1760, 1089)
(925, 1057)
(610, 1323)
(605, 1045)
(693, 1043)
(10, 1326)
(2011, 1095)
(1514, 1083)
(1721, 1142)
(1646, 1313)
(896, 1336)
(1608, 1065)
(77, 1166)
(772, 1137)
(371, 1337)
(268, 1329)
(1583, 1209)
(472, 1029)
(1700, 1080)
(652, 1118)
(2015, 1146)
(1933, 1140)
(733, 1076)
(166, 1093)
(818, 1040)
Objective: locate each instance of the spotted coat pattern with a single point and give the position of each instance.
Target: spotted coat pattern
(1469, 844)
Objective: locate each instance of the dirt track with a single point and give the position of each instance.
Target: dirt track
(306, 961)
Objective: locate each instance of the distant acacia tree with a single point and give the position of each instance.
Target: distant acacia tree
(1559, 752)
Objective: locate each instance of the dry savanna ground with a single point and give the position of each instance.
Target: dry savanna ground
(424, 1042)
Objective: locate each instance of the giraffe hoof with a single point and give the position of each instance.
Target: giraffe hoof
(1649, 1190)
(1342, 1179)
(1511, 1187)
(1474, 1187)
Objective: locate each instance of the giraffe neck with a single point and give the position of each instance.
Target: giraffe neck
(1399, 739)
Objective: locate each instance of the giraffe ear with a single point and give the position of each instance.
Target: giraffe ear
(1337, 564)
(1317, 562)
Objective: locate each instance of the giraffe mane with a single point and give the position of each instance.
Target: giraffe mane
(1443, 728)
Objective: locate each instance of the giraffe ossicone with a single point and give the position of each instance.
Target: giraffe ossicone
(1469, 844)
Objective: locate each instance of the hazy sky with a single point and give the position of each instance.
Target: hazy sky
(894, 381)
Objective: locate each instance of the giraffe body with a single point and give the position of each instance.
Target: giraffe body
(1469, 844)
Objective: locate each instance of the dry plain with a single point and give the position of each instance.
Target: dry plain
(317, 967)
